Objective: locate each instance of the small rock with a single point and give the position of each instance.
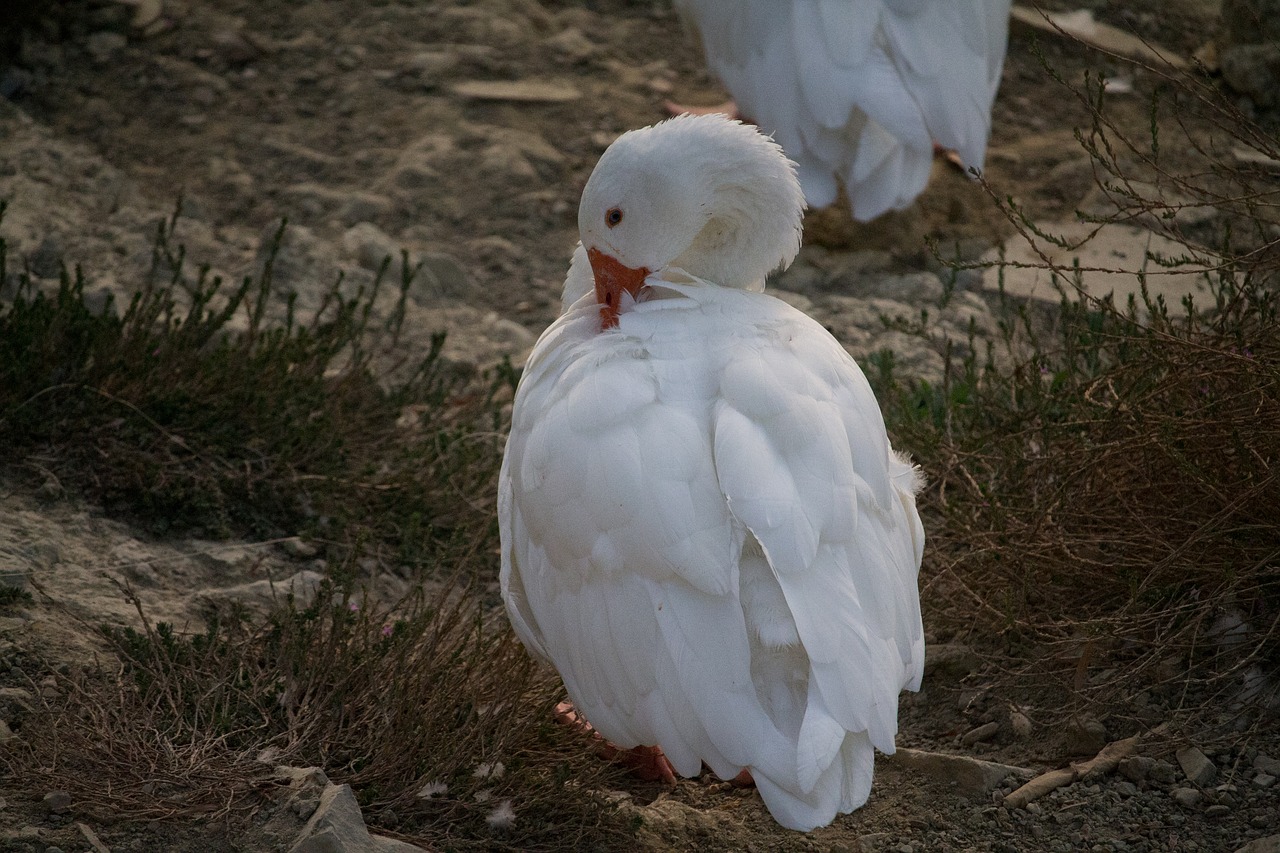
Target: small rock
(507, 160)
(300, 777)
(1266, 764)
(302, 585)
(348, 205)
(46, 260)
(16, 701)
(50, 490)
(983, 732)
(15, 81)
(1135, 768)
(1217, 810)
(1125, 788)
(953, 659)
(1086, 736)
(1270, 844)
(970, 776)
(1188, 798)
(1021, 725)
(232, 47)
(1264, 780)
(872, 841)
(1197, 767)
(571, 46)
(1161, 771)
(104, 46)
(444, 278)
(57, 802)
(1253, 70)
(299, 549)
(370, 246)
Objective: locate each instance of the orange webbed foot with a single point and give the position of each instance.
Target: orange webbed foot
(648, 763)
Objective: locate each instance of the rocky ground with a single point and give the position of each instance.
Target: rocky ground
(463, 133)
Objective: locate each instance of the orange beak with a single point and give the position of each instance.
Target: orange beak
(612, 278)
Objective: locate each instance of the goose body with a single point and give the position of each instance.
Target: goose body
(704, 527)
(857, 91)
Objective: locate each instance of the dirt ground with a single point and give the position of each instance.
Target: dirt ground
(464, 132)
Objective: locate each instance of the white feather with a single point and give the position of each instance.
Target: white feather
(704, 527)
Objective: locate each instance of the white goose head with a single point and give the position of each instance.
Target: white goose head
(704, 194)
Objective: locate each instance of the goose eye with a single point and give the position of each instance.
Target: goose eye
(613, 216)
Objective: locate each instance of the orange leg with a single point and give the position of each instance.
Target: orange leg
(647, 762)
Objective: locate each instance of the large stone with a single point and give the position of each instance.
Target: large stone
(338, 827)
(265, 594)
(969, 776)
(1270, 844)
(1113, 261)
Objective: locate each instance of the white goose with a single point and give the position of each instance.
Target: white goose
(704, 528)
(860, 89)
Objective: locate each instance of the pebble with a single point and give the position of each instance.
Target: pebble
(572, 46)
(1086, 737)
(57, 802)
(299, 549)
(1161, 771)
(1266, 764)
(103, 46)
(1188, 798)
(1021, 725)
(1198, 768)
(1136, 768)
(1217, 810)
(981, 733)
(370, 246)
(1126, 789)
(1264, 780)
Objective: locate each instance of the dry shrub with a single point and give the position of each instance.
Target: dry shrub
(1116, 524)
(433, 691)
(1106, 492)
(166, 414)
